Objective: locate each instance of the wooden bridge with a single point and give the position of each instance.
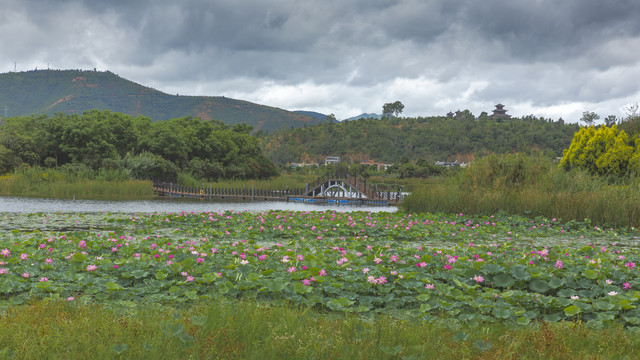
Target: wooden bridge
(350, 190)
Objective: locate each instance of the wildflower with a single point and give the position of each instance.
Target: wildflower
(430, 286)
(44, 279)
(575, 297)
(92, 267)
(478, 278)
(612, 293)
(626, 286)
(559, 264)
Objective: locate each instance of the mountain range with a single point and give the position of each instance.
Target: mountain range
(75, 91)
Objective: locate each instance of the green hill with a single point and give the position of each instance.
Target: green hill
(75, 91)
(392, 140)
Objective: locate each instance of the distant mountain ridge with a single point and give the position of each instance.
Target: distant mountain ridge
(75, 91)
(364, 116)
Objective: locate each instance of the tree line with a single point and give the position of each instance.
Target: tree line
(143, 148)
(395, 140)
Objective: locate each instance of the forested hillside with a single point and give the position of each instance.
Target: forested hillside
(434, 138)
(75, 91)
(139, 146)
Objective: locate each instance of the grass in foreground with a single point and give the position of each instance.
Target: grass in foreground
(248, 330)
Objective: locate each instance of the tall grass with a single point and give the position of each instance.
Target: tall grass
(534, 186)
(79, 183)
(228, 329)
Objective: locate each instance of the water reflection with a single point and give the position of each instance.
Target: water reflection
(32, 205)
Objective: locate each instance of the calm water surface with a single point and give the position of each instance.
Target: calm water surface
(31, 205)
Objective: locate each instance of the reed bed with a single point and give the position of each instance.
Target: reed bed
(67, 183)
(533, 186)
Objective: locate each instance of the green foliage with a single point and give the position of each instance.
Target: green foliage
(601, 151)
(247, 329)
(390, 140)
(144, 149)
(535, 186)
(394, 109)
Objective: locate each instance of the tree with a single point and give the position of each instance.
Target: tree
(394, 109)
(632, 110)
(589, 117)
(331, 118)
(610, 120)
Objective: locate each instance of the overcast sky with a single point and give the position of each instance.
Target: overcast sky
(550, 58)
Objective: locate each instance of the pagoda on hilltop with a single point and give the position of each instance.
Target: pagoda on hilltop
(500, 112)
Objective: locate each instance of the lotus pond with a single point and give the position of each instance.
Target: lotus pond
(427, 266)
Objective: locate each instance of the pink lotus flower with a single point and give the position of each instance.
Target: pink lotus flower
(44, 279)
(430, 286)
(478, 278)
(5, 253)
(24, 256)
(630, 265)
(626, 286)
(92, 267)
(291, 270)
(448, 267)
(322, 272)
(26, 275)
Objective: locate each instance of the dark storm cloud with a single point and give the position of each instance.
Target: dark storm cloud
(349, 55)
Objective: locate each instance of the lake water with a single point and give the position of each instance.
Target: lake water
(31, 205)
